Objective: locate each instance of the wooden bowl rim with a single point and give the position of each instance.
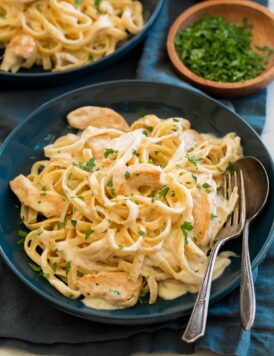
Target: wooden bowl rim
(172, 53)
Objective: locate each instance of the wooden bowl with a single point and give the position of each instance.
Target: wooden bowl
(234, 11)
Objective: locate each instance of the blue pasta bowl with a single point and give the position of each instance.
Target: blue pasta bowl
(25, 145)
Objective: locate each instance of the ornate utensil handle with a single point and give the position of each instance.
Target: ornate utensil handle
(197, 322)
(247, 293)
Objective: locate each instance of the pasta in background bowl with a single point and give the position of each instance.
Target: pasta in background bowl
(26, 144)
(52, 39)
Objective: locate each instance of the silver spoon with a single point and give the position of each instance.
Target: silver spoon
(256, 193)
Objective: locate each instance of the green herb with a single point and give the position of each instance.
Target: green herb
(109, 151)
(145, 133)
(135, 153)
(85, 167)
(77, 2)
(73, 223)
(164, 191)
(194, 160)
(90, 57)
(46, 275)
(120, 247)
(90, 164)
(22, 233)
(156, 152)
(45, 45)
(141, 112)
(150, 128)
(142, 233)
(56, 251)
(153, 200)
(175, 120)
(127, 174)
(207, 187)
(231, 168)
(60, 225)
(213, 216)
(219, 50)
(186, 227)
(194, 177)
(54, 267)
(43, 188)
(150, 161)
(67, 267)
(21, 241)
(89, 233)
(220, 170)
(2, 15)
(34, 267)
(97, 4)
(110, 185)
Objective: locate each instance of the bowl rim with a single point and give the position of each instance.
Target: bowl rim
(134, 40)
(174, 58)
(98, 315)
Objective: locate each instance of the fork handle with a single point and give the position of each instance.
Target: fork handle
(197, 322)
(247, 293)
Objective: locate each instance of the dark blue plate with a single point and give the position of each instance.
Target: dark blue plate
(25, 145)
(37, 76)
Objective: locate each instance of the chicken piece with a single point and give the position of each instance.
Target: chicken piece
(63, 59)
(96, 116)
(20, 49)
(141, 175)
(111, 286)
(191, 138)
(48, 203)
(201, 214)
(98, 145)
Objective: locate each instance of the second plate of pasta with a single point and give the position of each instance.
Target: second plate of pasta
(120, 199)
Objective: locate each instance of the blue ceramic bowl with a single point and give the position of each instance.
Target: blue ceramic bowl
(25, 145)
(37, 76)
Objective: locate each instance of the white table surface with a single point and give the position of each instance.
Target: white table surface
(268, 138)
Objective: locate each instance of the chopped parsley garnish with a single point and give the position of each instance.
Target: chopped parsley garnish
(77, 2)
(54, 267)
(127, 174)
(90, 57)
(207, 187)
(213, 216)
(21, 241)
(110, 185)
(89, 233)
(175, 120)
(231, 168)
(90, 164)
(186, 227)
(22, 233)
(120, 247)
(38, 271)
(97, 4)
(141, 233)
(34, 267)
(67, 267)
(219, 169)
(150, 128)
(163, 192)
(56, 251)
(85, 167)
(60, 225)
(73, 223)
(220, 50)
(109, 151)
(135, 153)
(145, 133)
(194, 177)
(194, 160)
(141, 112)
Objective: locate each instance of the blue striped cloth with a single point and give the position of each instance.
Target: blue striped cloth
(28, 322)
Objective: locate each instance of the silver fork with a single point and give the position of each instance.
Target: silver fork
(231, 229)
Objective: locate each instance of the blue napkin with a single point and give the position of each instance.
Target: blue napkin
(28, 322)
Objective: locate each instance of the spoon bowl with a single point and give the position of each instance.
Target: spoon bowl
(256, 185)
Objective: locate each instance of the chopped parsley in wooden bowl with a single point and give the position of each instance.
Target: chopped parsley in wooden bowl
(224, 47)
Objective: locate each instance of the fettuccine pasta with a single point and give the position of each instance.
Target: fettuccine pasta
(63, 34)
(117, 212)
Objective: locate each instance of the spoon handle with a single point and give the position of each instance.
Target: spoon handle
(247, 293)
(197, 322)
